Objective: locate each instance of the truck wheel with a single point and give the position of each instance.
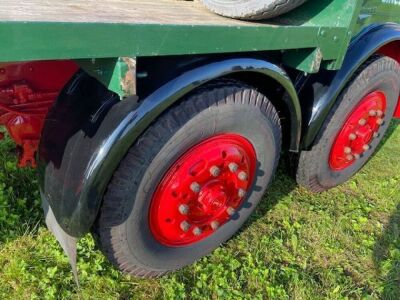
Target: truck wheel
(354, 128)
(191, 180)
(251, 9)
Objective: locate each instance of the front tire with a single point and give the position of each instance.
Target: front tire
(125, 226)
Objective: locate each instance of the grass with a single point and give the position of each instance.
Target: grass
(341, 244)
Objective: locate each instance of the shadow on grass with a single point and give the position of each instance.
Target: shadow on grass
(387, 257)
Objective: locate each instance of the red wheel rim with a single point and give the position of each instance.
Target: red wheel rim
(202, 190)
(359, 130)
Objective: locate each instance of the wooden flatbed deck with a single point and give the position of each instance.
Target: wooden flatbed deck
(113, 11)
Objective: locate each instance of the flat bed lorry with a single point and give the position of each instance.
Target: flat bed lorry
(157, 125)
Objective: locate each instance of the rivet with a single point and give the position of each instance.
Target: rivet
(230, 211)
(197, 231)
(349, 157)
(195, 187)
(241, 193)
(242, 176)
(215, 171)
(214, 225)
(233, 167)
(379, 121)
(366, 147)
(352, 136)
(379, 113)
(372, 113)
(185, 226)
(362, 122)
(183, 209)
(347, 150)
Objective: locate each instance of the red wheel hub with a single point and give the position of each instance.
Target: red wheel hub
(357, 133)
(202, 190)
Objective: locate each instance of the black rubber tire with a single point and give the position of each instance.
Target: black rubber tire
(251, 9)
(313, 171)
(122, 227)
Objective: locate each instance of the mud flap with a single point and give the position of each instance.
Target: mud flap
(67, 242)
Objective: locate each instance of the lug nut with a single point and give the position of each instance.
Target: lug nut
(197, 231)
(230, 211)
(214, 225)
(349, 157)
(215, 171)
(372, 113)
(242, 176)
(241, 193)
(366, 147)
(195, 187)
(347, 150)
(233, 167)
(357, 156)
(376, 134)
(185, 226)
(362, 122)
(183, 209)
(379, 113)
(352, 136)
(379, 121)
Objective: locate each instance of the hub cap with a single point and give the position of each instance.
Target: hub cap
(202, 190)
(357, 133)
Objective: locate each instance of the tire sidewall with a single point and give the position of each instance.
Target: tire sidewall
(244, 120)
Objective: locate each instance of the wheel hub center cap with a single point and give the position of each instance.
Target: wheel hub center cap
(213, 197)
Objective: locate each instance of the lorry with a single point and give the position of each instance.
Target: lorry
(157, 126)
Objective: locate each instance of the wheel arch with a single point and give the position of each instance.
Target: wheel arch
(367, 43)
(75, 203)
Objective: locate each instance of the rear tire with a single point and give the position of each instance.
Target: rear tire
(251, 9)
(123, 226)
(316, 169)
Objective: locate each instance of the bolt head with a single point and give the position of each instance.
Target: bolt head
(195, 187)
(241, 193)
(362, 122)
(352, 136)
(349, 157)
(379, 113)
(197, 231)
(347, 150)
(230, 211)
(183, 209)
(242, 176)
(379, 121)
(185, 226)
(372, 113)
(233, 167)
(214, 225)
(366, 147)
(215, 171)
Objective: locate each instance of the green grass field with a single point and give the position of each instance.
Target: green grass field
(341, 244)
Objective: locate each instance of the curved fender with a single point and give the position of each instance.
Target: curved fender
(368, 42)
(77, 163)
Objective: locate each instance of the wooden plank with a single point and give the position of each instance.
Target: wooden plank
(113, 11)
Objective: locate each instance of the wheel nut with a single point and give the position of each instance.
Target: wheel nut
(379, 121)
(366, 147)
(379, 113)
(233, 167)
(352, 136)
(230, 211)
(195, 187)
(185, 226)
(242, 176)
(349, 157)
(362, 122)
(214, 225)
(197, 231)
(372, 113)
(241, 193)
(183, 209)
(215, 171)
(347, 150)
